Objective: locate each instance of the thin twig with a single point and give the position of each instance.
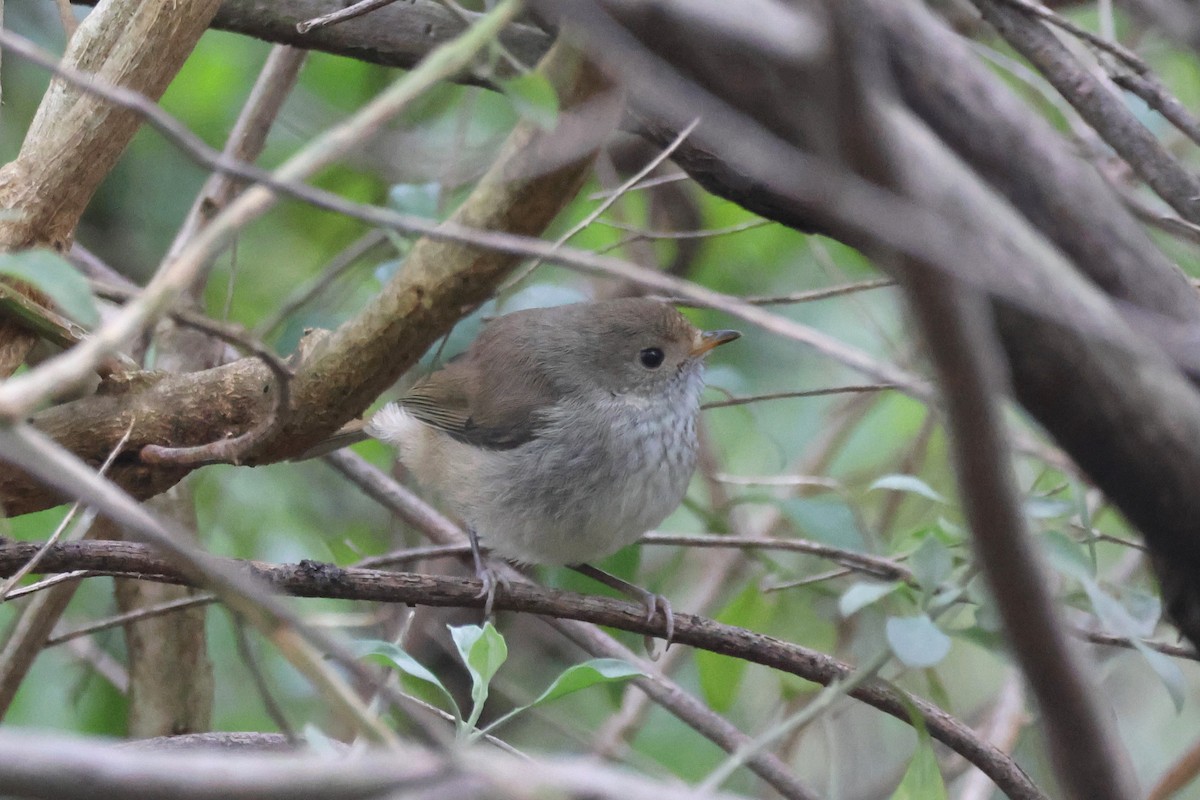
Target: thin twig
(342, 14)
(1122, 53)
(1157, 97)
(410, 555)
(606, 204)
(820, 294)
(649, 183)
(758, 398)
(885, 568)
(337, 266)
(84, 523)
(246, 652)
(137, 615)
(815, 481)
(1109, 640)
(47, 583)
(246, 140)
(640, 234)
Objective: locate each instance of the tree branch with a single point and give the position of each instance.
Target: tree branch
(315, 579)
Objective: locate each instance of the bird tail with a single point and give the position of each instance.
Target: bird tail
(390, 424)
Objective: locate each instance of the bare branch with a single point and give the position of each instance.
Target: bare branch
(56, 767)
(1103, 110)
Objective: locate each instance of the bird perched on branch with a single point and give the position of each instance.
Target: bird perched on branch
(562, 434)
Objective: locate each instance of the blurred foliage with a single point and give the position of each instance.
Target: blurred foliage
(294, 511)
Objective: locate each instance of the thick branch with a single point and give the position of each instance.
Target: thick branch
(76, 137)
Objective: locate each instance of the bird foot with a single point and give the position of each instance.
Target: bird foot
(653, 603)
(490, 577)
(650, 601)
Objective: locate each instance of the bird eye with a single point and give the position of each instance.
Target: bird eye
(651, 358)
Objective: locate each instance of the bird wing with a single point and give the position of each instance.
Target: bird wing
(476, 403)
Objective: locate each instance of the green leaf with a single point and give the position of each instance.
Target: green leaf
(394, 656)
(1068, 556)
(864, 593)
(1117, 619)
(483, 650)
(589, 673)
(1049, 507)
(827, 520)
(573, 679)
(916, 641)
(931, 563)
(922, 780)
(720, 675)
(534, 98)
(988, 638)
(52, 274)
(907, 483)
(937, 689)
(1144, 607)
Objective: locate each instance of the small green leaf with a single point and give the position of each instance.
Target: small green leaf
(52, 274)
(1049, 507)
(864, 593)
(931, 563)
(1068, 556)
(394, 656)
(573, 679)
(483, 650)
(589, 673)
(534, 98)
(907, 483)
(916, 641)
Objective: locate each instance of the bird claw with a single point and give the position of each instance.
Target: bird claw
(490, 578)
(652, 603)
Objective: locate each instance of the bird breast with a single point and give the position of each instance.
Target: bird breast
(603, 470)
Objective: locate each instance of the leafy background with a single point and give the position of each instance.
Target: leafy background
(293, 511)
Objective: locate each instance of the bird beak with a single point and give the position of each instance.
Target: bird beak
(707, 340)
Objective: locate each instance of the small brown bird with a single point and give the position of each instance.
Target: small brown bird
(562, 434)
